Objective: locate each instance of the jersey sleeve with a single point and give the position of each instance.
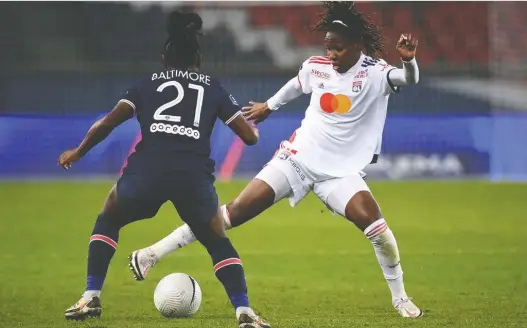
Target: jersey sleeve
(303, 77)
(229, 108)
(131, 97)
(383, 71)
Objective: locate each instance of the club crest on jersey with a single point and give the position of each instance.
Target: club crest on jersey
(320, 74)
(284, 154)
(357, 86)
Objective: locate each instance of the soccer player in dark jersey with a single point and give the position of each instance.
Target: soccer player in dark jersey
(176, 109)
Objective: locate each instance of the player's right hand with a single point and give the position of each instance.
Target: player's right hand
(257, 112)
(68, 157)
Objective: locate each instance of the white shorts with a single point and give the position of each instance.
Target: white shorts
(289, 178)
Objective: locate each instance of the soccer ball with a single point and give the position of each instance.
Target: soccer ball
(177, 295)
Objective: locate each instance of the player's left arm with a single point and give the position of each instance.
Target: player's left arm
(409, 74)
(98, 132)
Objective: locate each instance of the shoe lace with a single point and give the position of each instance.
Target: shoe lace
(401, 301)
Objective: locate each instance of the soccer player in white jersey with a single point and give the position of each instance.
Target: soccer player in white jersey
(340, 134)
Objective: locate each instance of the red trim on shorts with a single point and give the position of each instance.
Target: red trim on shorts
(292, 137)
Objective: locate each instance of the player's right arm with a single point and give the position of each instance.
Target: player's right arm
(258, 112)
(123, 111)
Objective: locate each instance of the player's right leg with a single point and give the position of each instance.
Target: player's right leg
(198, 206)
(269, 186)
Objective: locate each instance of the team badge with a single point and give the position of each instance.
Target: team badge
(357, 86)
(284, 154)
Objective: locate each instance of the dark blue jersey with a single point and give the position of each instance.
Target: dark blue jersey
(177, 111)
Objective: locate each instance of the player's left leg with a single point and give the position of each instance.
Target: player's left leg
(129, 200)
(351, 198)
(197, 206)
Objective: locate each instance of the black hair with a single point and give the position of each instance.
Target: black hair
(342, 17)
(182, 48)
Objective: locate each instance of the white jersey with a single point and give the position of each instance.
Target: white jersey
(342, 130)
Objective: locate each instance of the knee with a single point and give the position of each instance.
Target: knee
(363, 215)
(208, 237)
(107, 225)
(363, 210)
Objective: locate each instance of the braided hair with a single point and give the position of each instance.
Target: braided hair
(182, 49)
(342, 17)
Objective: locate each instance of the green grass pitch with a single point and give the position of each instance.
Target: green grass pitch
(463, 248)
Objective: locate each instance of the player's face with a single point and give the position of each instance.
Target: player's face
(343, 54)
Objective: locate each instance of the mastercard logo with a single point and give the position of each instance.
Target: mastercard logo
(331, 103)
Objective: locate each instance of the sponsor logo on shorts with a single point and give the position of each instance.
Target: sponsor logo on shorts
(174, 129)
(297, 169)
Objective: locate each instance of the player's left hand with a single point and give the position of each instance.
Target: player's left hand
(407, 46)
(68, 157)
(257, 112)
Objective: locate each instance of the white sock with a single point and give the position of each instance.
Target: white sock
(181, 237)
(89, 294)
(387, 254)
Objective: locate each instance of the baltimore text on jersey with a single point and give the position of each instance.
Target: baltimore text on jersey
(196, 77)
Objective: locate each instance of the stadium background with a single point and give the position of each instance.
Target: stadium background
(69, 62)
(63, 65)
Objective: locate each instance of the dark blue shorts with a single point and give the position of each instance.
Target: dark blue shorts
(193, 194)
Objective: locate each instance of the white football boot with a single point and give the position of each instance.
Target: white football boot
(248, 319)
(407, 308)
(140, 262)
(84, 308)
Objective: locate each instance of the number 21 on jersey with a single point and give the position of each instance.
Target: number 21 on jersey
(159, 116)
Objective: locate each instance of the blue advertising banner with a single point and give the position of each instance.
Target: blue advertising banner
(433, 146)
